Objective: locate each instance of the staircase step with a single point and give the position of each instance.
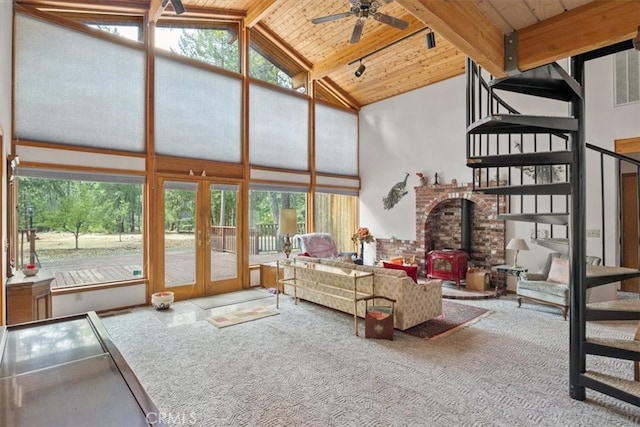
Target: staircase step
(627, 349)
(598, 275)
(521, 159)
(531, 189)
(548, 81)
(557, 245)
(622, 389)
(517, 123)
(622, 309)
(542, 218)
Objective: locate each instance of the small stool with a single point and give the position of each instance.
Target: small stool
(378, 320)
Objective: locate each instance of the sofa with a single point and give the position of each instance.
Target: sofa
(414, 303)
(550, 286)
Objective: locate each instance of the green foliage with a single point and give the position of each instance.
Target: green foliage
(263, 69)
(179, 209)
(79, 207)
(210, 46)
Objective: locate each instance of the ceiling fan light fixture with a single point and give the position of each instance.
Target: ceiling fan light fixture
(431, 40)
(360, 70)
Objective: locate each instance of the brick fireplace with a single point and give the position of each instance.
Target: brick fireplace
(441, 211)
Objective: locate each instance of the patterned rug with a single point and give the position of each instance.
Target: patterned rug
(240, 316)
(454, 317)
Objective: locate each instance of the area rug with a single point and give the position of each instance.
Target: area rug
(454, 317)
(241, 316)
(230, 298)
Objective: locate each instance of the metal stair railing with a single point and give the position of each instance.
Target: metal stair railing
(482, 102)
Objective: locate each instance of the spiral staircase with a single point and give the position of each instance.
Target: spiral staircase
(540, 164)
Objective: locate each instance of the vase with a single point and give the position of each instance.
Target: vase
(361, 255)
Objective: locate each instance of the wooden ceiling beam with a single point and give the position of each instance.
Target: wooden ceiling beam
(583, 29)
(340, 95)
(155, 10)
(258, 10)
(466, 27)
(372, 42)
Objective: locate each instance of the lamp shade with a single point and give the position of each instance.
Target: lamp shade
(288, 221)
(517, 245)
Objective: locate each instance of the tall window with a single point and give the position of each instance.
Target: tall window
(627, 77)
(261, 68)
(336, 214)
(85, 229)
(265, 243)
(131, 32)
(216, 46)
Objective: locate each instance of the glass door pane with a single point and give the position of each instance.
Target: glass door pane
(179, 233)
(224, 231)
(225, 247)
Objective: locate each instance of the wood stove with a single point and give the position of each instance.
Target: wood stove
(448, 264)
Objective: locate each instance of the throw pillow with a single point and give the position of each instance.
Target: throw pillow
(412, 270)
(559, 271)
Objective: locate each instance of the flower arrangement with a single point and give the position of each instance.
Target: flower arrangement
(362, 235)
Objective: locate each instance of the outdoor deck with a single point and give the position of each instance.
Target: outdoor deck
(116, 268)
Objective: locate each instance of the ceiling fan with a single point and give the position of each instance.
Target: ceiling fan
(362, 10)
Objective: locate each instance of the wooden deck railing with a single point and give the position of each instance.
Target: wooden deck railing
(262, 238)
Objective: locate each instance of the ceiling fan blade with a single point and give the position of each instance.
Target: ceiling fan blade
(357, 30)
(329, 18)
(390, 20)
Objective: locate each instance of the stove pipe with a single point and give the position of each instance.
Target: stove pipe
(466, 218)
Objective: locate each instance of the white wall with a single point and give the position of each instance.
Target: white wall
(420, 131)
(424, 131)
(98, 300)
(6, 22)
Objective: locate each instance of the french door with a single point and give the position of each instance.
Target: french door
(199, 237)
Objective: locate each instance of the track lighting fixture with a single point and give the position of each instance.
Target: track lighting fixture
(431, 43)
(431, 40)
(177, 6)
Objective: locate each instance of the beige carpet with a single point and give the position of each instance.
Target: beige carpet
(305, 367)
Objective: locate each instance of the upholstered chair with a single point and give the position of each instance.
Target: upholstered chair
(550, 286)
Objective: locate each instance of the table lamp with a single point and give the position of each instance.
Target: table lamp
(288, 225)
(517, 245)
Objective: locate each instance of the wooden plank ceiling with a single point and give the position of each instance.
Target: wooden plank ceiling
(398, 61)
(473, 28)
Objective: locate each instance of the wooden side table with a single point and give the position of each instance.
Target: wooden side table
(269, 275)
(28, 297)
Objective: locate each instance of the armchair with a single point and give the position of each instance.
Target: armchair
(551, 285)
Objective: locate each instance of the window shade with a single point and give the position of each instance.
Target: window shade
(80, 176)
(76, 89)
(197, 112)
(336, 141)
(278, 129)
